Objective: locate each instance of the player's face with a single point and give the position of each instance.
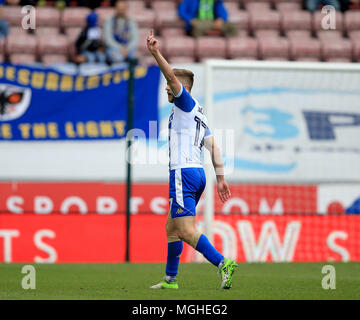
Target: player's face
(170, 95)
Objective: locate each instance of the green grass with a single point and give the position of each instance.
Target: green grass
(196, 281)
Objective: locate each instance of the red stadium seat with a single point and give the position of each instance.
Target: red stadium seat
(136, 5)
(352, 20)
(14, 30)
(183, 46)
(339, 49)
(240, 18)
(274, 48)
(210, 47)
(74, 17)
(329, 35)
(164, 5)
(305, 48)
(338, 60)
(264, 20)
(266, 34)
(47, 16)
(172, 33)
(308, 59)
(284, 7)
(104, 13)
(2, 45)
(72, 33)
(298, 34)
(49, 59)
(242, 48)
(166, 19)
(232, 6)
(22, 58)
(354, 35)
(49, 31)
(12, 14)
(296, 20)
(53, 45)
(356, 49)
(181, 60)
(21, 43)
(257, 6)
(145, 18)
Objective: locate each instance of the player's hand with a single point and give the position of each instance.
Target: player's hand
(223, 190)
(152, 43)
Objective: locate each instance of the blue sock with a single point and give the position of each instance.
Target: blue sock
(208, 250)
(173, 258)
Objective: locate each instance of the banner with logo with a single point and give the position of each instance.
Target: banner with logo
(277, 125)
(101, 238)
(44, 198)
(44, 104)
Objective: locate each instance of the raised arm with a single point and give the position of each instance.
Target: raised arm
(153, 46)
(222, 187)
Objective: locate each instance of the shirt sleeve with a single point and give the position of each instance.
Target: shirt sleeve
(207, 133)
(184, 100)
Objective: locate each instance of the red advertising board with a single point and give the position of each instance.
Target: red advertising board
(108, 198)
(92, 238)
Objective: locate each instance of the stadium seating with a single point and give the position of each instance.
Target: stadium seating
(356, 49)
(104, 14)
(13, 15)
(74, 17)
(242, 48)
(274, 48)
(210, 47)
(305, 49)
(296, 20)
(264, 20)
(184, 46)
(53, 45)
(21, 43)
(352, 21)
(47, 17)
(22, 58)
(172, 32)
(339, 50)
(268, 29)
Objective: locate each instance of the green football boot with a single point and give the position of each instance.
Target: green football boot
(166, 284)
(227, 270)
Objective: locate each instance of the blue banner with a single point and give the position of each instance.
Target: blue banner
(45, 104)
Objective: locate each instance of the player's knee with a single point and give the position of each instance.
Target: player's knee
(186, 235)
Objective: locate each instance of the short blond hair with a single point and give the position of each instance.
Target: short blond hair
(186, 77)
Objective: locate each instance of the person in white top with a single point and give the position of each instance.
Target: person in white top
(188, 133)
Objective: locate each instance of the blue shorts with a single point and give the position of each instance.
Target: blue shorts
(185, 188)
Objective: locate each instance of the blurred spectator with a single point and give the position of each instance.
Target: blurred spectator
(350, 5)
(121, 34)
(4, 26)
(206, 17)
(313, 5)
(89, 45)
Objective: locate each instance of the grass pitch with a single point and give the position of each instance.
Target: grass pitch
(196, 281)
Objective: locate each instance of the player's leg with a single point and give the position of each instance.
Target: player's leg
(174, 249)
(174, 245)
(195, 179)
